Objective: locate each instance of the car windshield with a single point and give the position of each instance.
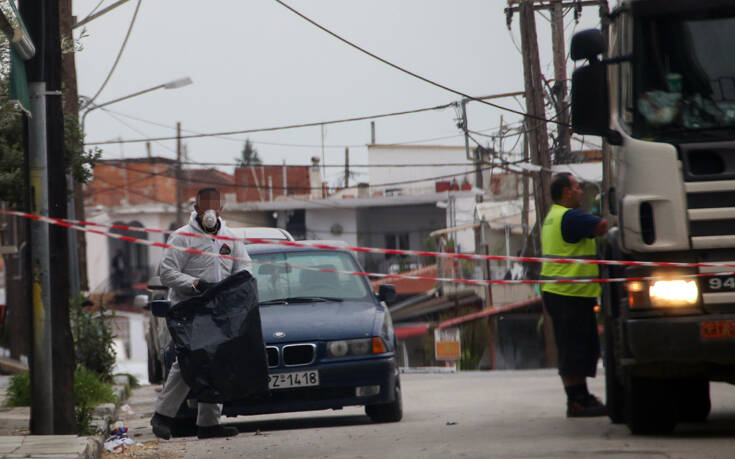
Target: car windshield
(277, 281)
(686, 78)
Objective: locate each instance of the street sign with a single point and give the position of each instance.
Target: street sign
(447, 344)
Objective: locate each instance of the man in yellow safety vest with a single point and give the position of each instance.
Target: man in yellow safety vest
(569, 232)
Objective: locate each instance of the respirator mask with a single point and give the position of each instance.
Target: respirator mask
(209, 219)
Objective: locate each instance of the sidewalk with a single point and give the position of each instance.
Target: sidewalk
(16, 442)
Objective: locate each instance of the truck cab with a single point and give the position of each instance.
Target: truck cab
(660, 90)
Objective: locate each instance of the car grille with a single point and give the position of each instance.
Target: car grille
(272, 352)
(298, 354)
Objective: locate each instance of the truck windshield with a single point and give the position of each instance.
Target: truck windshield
(685, 79)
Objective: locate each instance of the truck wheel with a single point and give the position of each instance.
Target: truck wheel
(650, 408)
(694, 402)
(614, 391)
(387, 412)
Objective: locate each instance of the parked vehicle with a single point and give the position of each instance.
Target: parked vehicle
(157, 336)
(262, 232)
(661, 98)
(329, 337)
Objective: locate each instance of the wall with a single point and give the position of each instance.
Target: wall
(319, 223)
(417, 154)
(374, 223)
(252, 182)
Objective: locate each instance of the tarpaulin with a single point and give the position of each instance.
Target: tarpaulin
(218, 341)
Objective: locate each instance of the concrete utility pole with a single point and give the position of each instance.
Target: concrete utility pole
(179, 190)
(42, 407)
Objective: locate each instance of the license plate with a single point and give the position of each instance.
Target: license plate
(717, 329)
(718, 284)
(293, 379)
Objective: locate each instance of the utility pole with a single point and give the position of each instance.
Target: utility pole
(75, 198)
(537, 129)
(347, 167)
(560, 81)
(179, 190)
(42, 407)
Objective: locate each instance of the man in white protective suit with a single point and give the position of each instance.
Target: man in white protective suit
(186, 275)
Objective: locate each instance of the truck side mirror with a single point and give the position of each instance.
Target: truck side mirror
(387, 293)
(590, 104)
(587, 44)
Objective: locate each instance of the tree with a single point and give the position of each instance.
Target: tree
(249, 155)
(12, 184)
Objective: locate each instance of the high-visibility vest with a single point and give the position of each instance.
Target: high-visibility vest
(554, 245)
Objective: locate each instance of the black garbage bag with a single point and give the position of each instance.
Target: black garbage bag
(218, 341)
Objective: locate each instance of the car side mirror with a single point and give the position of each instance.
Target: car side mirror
(387, 293)
(159, 308)
(141, 302)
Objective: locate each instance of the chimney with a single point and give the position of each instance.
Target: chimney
(315, 178)
(363, 190)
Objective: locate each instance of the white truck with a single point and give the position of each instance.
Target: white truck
(662, 96)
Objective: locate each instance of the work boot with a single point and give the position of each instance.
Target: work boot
(586, 406)
(161, 426)
(216, 431)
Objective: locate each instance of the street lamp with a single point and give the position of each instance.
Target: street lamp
(175, 84)
(89, 106)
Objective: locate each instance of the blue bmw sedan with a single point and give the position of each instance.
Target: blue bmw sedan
(329, 337)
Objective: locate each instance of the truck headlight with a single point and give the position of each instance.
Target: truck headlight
(677, 292)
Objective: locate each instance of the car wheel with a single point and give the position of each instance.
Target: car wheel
(650, 408)
(694, 402)
(387, 412)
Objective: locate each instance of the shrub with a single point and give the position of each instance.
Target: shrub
(92, 339)
(19, 390)
(89, 390)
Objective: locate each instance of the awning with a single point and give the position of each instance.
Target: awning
(411, 330)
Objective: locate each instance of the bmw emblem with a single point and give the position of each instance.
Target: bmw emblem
(279, 334)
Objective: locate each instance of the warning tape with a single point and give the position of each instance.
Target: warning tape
(421, 253)
(482, 282)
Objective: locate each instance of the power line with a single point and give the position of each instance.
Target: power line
(242, 185)
(408, 72)
(119, 55)
(280, 144)
(274, 128)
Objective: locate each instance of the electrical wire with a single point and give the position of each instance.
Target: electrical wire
(241, 185)
(119, 55)
(408, 72)
(274, 128)
(116, 118)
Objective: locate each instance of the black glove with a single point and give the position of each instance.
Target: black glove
(203, 286)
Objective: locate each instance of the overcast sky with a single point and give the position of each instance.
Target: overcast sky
(255, 64)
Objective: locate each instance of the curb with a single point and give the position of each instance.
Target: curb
(93, 449)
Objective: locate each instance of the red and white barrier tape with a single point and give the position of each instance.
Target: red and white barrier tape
(484, 282)
(421, 253)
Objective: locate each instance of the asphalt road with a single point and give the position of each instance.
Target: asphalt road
(501, 414)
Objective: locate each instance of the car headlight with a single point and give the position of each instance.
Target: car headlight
(362, 346)
(676, 292)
